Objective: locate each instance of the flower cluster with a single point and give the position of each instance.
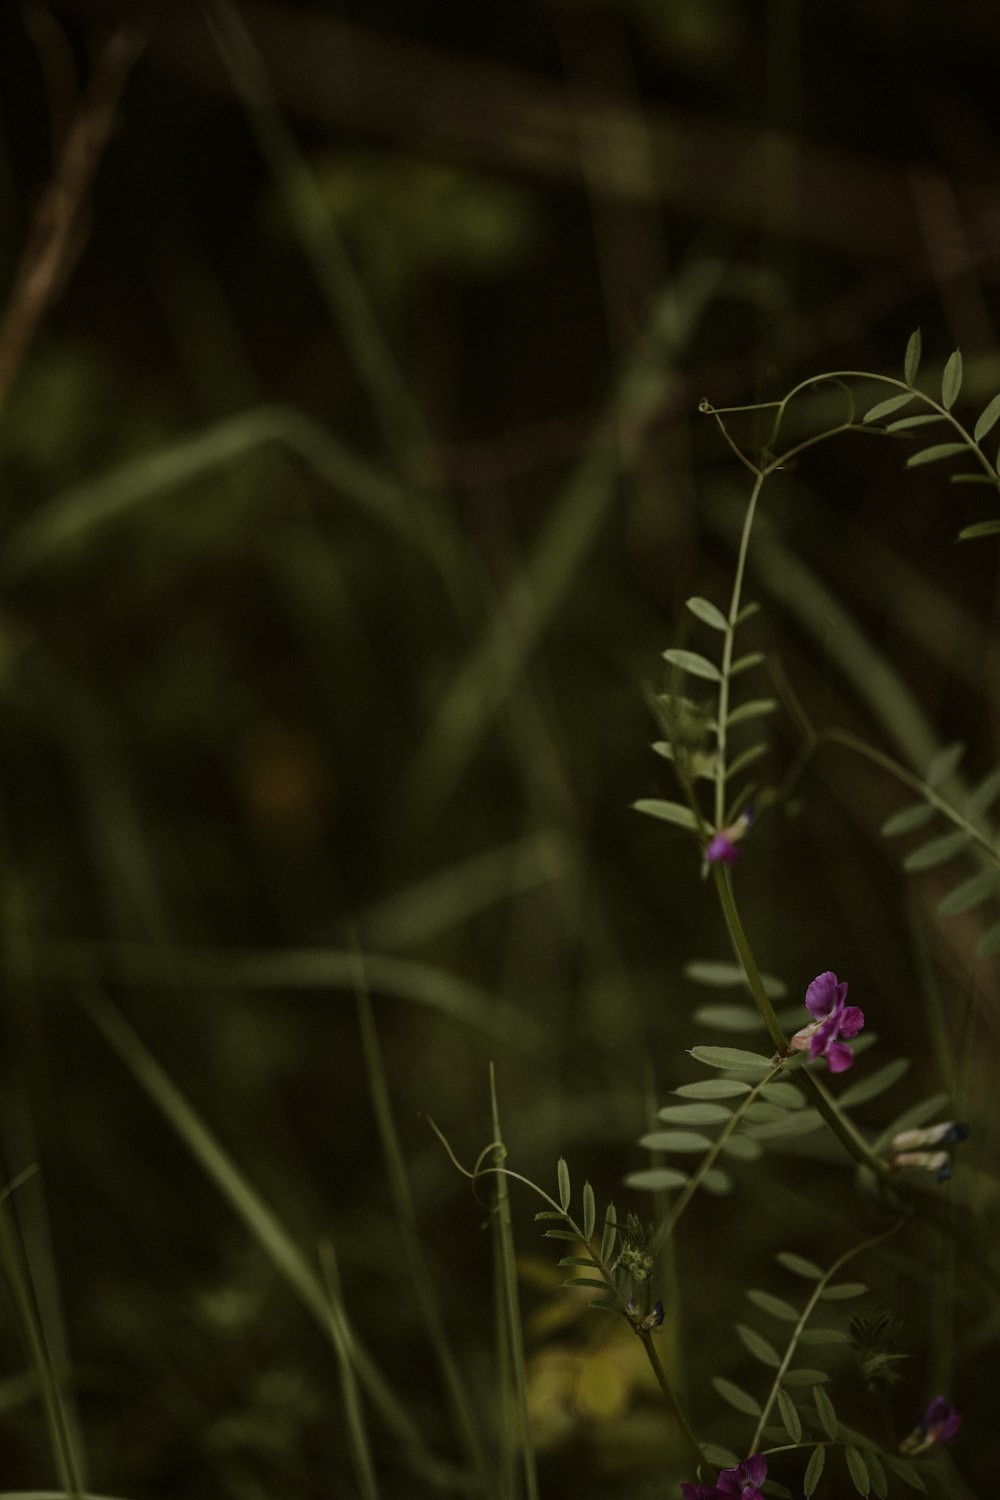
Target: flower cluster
(926, 1148)
(741, 1483)
(833, 1021)
(937, 1427)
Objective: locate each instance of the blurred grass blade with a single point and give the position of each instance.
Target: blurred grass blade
(300, 969)
(513, 1328)
(399, 1186)
(270, 1234)
(399, 418)
(70, 517)
(357, 1434)
(17, 1276)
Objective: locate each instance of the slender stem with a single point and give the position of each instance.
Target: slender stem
(807, 1313)
(661, 1379)
(710, 1157)
(842, 1127)
(727, 652)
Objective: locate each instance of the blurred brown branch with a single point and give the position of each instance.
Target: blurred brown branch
(54, 241)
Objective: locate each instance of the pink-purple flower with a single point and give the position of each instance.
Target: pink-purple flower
(741, 1483)
(721, 848)
(937, 1427)
(833, 1021)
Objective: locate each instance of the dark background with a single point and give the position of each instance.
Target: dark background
(375, 665)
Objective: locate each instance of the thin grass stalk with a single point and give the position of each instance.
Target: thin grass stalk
(264, 1226)
(504, 1236)
(57, 1418)
(399, 1186)
(354, 1417)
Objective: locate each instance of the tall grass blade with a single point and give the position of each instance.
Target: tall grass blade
(263, 1224)
(61, 1434)
(357, 1433)
(504, 1237)
(399, 1186)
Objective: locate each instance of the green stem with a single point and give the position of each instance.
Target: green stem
(807, 1313)
(721, 731)
(661, 1379)
(842, 1127)
(710, 1157)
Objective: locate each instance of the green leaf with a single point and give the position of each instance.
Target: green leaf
(785, 1094)
(760, 1347)
(858, 1470)
(561, 1234)
(790, 1416)
(802, 1122)
(877, 1083)
(824, 1336)
(775, 1306)
(713, 1088)
(907, 819)
(741, 1018)
(911, 361)
(989, 943)
(746, 758)
(656, 1180)
(951, 381)
(753, 608)
(716, 1181)
(983, 795)
(744, 663)
(805, 1377)
(694, 664)
(814, 1471)
(708, 612)
(886, 408)
(723, 1458)
(841, 1291)
(905, 423)
(742, 1148)
(932, 454)
(675, 1140)
(731, 1059)
(549, 1213)
(589, 1210)
(943, 764)
(981, 528)
(578, 1260)
(970, 893)
(694, 1114)
(727, 975)
(591, 1281)
(988, 420)
(562, 1173)
(736, 1397)
(755, 708)
(762, 1113)
(877, 1473)
(972, 479)
(906, 1471)
(610, 1235)
(670, 812)
(827, 1413)
(798, 1266)
(937, 851)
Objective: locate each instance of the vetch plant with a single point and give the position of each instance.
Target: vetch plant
(761, 1112)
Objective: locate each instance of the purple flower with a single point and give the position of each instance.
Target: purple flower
(938, 1426)
(721, 848)
(833, 1021)
(745, 1480)
(741, 1483)
(721, 851)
